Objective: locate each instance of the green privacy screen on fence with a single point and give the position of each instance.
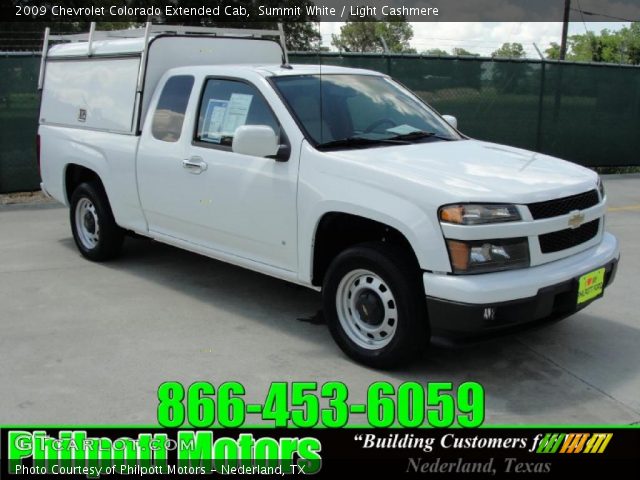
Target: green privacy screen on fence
(18, 123)
(586, 113)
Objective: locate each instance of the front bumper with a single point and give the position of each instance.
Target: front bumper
(465, 305)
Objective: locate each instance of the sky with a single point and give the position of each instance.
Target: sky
(484, 37)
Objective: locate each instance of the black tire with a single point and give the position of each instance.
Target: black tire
(392, 269)
(105, 243)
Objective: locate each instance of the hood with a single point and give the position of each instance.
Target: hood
(470, 170)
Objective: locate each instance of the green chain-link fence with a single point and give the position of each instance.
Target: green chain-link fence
(586, 113)
(19, 101)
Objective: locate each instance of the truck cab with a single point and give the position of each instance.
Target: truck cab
(337, 179)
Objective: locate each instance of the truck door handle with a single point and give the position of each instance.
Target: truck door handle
(194, 165)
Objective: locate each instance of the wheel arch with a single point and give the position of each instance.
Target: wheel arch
(354, 229)
(75, 174)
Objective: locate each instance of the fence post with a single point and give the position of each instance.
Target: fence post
(543, 67)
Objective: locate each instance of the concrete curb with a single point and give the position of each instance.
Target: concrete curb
(614, 176)
(30, 206)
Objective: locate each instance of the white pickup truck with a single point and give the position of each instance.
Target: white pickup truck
(337, 179)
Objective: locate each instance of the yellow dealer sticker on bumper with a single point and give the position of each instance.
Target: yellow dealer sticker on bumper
(590, 285)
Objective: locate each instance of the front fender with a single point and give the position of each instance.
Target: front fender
(339, 195)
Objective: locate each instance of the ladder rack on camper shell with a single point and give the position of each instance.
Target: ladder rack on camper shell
(151, 30)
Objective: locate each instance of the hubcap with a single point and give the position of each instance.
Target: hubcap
(366, 309)
(370, 308)
(87, 225)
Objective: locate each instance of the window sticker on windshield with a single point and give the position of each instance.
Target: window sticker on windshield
(214, 120)
(402, 129)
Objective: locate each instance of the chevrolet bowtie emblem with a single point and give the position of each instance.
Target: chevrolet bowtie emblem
(576, 219)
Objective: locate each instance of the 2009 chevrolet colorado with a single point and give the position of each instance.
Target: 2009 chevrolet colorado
(333, 178)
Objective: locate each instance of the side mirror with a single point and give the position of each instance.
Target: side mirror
(451, 120)
(256, 140)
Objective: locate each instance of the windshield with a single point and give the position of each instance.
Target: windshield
(348, 110)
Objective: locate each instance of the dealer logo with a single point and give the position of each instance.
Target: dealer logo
(574, 443)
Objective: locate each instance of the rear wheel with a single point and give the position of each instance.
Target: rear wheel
(375, 305)
(94, 229)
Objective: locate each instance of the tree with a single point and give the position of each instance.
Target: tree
(461, 52)
(365, 34)
(588, 47)
(16, 36)
(510, 50)
(301, 35)
(397, 33)
(631, 43)
(436, 52)
(621, 46)
(553, 52)
(300, 32)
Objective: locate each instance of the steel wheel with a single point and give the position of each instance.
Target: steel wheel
(87, 224)
(374, 304)
(366, 309)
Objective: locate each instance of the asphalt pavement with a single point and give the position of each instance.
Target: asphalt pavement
(82, 342)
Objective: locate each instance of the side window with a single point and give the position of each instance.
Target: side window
(227, 105)
(169, 115)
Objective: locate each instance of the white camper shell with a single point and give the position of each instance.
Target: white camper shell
(104, 80)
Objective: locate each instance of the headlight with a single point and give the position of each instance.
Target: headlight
(481, 256)
(478, 214)
(601, 188)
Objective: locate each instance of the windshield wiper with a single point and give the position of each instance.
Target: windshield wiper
(418, 134)
(361, 141)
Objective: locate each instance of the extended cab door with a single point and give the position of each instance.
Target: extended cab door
(197, 190)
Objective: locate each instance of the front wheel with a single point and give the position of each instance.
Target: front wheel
(94, 229)
(375, 305)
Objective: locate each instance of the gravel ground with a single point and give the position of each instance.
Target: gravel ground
(25, 198)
